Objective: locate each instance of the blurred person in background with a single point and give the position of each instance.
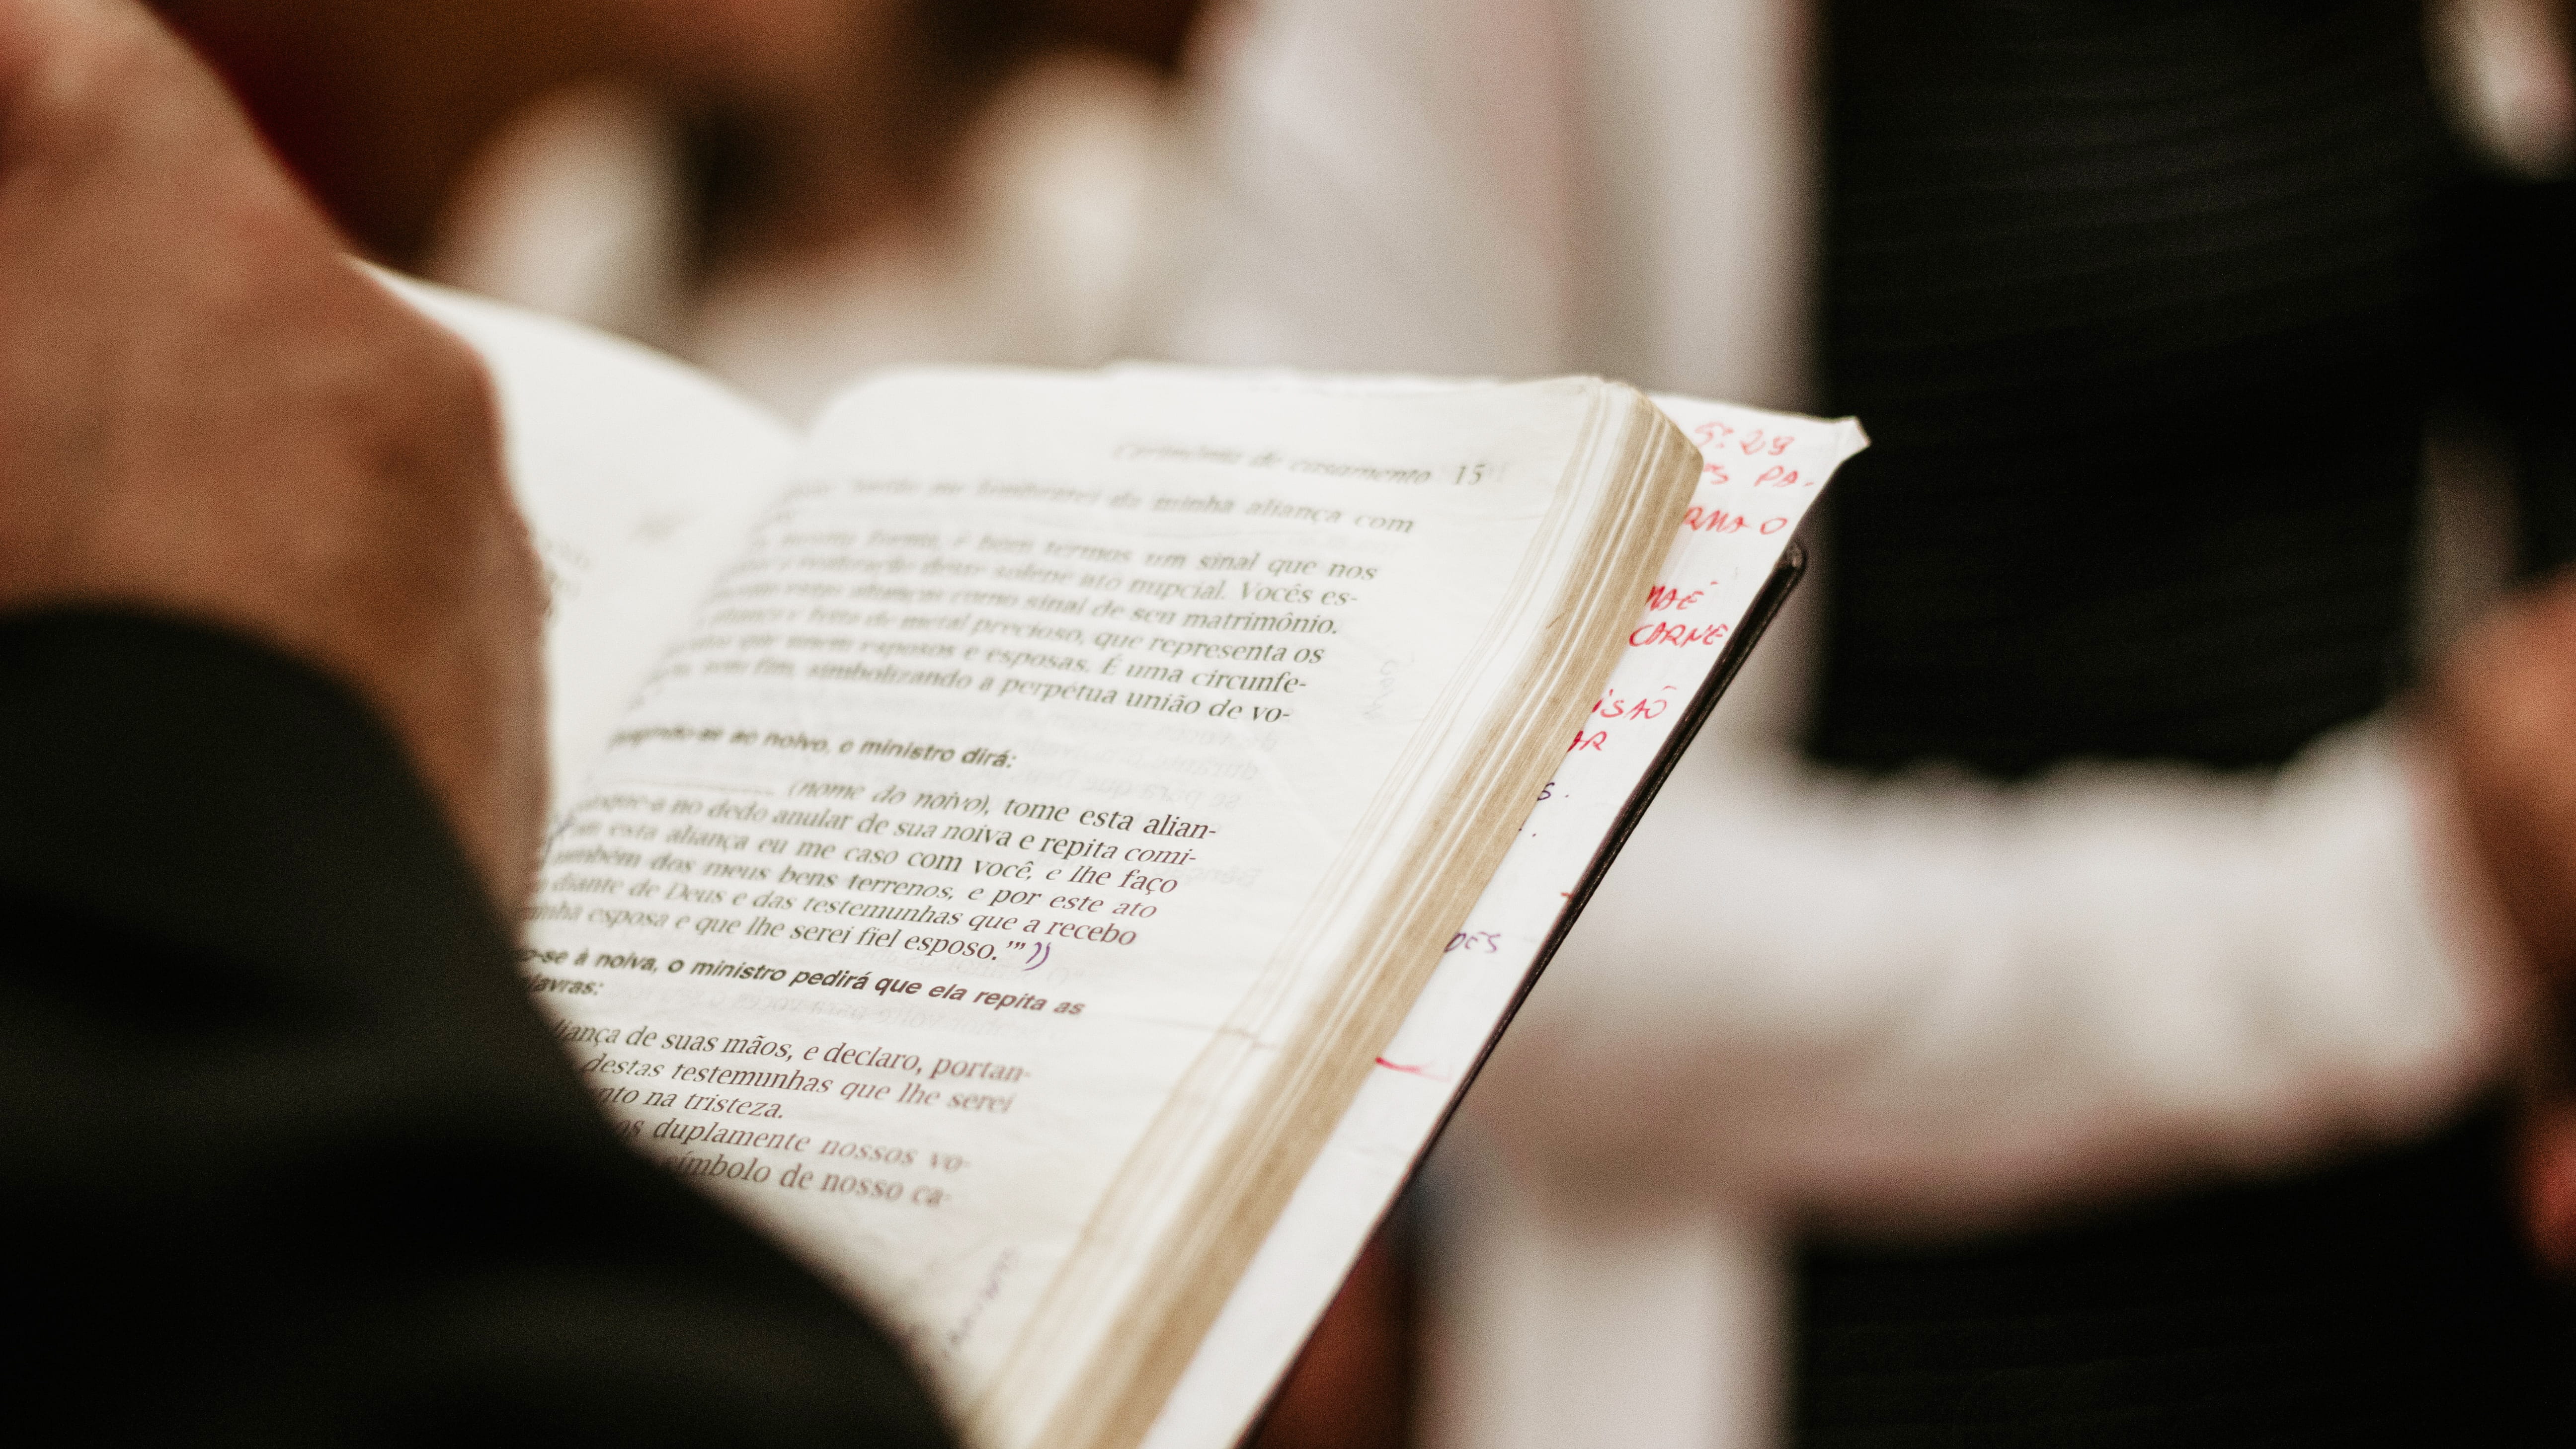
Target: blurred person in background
(2054, 1004)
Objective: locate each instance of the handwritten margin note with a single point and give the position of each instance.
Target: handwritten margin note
(1760, 475)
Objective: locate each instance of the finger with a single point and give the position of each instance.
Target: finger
(2549, 1184)
(2510, 709)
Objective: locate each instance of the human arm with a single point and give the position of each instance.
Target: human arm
(1934, 1001)
(1915, 997)
(289, 1154)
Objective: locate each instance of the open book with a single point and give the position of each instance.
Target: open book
(1052, 847)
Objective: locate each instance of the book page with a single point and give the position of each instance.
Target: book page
(1761, 474)
(964, 864)
(639, 478)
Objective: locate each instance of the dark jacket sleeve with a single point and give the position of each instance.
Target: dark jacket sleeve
(289, 1156)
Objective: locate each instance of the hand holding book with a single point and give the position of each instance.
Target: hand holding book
(207, 411)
